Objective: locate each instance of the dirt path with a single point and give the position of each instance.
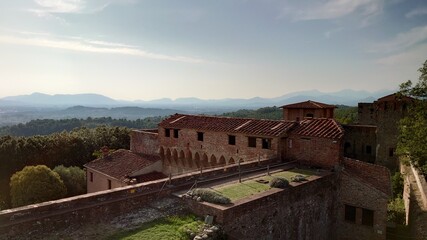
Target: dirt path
(418, 214)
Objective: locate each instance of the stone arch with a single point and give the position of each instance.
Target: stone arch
(197, 159)
(213, 160)
(175, 157)
(231, 161)
(162, 153)
(221, 161)
(189, 159)
(169, 156)
(181, 157)
(205, 161)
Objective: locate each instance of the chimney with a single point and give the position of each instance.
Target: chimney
(105, 151)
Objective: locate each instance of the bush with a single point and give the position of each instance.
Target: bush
(35, 184)
(279, 183)
(208, 195)
(397, 184)
(298, 178)
(74, 179)
(396, 211)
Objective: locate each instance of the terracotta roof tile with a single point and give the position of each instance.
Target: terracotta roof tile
(374, 175)
(308, 104)
(319, 127)
(258, 127)
(122, 163)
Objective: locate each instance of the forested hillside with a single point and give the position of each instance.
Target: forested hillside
(49, 126)
(74, 148)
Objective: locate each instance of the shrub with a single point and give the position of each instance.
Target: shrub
(35, 184)
(298, 178)
(279, 183)
(74, 179)
(208, 195)
(397, 184)
(396, 211)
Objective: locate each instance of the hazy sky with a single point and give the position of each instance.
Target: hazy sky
(130, 49)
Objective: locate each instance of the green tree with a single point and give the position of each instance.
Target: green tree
(74, 179)
(35, 184)
(413, 128)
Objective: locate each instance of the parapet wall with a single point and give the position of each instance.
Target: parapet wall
(303, 211)
(100, 206)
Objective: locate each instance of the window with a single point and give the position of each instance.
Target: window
(309, 115)
(199, 136)
(391, 152)
(367, 217)
(350, 213)
(167, 132)
(175, 133)
(91, 176)
(231, 140)
(109, 184)
(252, 142)
(290, 143)
(368, 149)
(266, 143)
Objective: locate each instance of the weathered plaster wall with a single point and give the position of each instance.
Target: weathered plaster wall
(144, 141)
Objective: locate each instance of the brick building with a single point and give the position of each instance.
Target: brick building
(374, 138)
(308, 135)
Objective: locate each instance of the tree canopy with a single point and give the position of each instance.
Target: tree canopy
(35, 184)
(74, 179)
(413, 128)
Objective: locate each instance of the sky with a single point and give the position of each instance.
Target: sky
(141, 49)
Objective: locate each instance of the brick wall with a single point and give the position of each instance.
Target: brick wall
(188, 153)
(302, 211)
(360, 142)
(320, 152)
(144, 141)
(355, 193)
(298, 114)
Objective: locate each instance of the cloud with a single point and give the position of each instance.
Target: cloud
(60, 6)
(331, 9)
(416, 12)
(402, 41)
(414, 56)
(91, 46)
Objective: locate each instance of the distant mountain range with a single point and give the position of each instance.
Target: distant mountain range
(343, 97)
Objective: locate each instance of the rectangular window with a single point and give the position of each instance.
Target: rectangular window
(391, 152)
(252, 142)
(167, 132)
(109, 184)
(367, 217)
(368, 149)
(175, 133)
(290, 143)
(91, 176)
(350, 214)
(231, 140)
(199, 136)
(266, 143)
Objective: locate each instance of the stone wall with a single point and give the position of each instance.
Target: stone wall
(298, 114)
(319, 152)
(360, 142)
(302, 211)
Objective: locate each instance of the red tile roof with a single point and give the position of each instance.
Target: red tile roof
(308, 104)
(258, 127)
(319, 127)
(374, 175)
(122, 163)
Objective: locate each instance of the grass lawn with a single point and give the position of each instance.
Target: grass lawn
(169, 228)
(250, 187)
